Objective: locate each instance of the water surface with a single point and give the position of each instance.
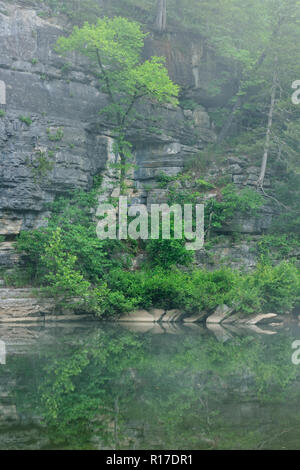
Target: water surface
(95, 386)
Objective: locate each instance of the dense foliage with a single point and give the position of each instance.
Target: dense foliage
(70, 262)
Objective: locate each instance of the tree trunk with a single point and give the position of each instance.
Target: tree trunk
(227, 126)
(260, 182)
(161, 17)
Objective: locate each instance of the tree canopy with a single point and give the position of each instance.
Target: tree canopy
(115, 46)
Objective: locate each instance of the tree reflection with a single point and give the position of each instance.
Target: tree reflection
(112, 389)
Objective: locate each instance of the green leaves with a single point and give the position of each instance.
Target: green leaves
(118, 41)
(115, 45)
(64, 281)
(67, 259)
(273, 289)
(151, 79)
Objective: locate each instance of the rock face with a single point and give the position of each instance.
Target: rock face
(264, 318)
(221, 313)
(154, 315)
(45, 116)
(8, 255)
(22, 306)
(192, 65)
(139, 316)
(51, 111)
(51, 114)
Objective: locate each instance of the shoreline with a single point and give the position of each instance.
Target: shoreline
(22, 306)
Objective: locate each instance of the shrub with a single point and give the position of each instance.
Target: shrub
(64, 281)
(221, 211)
(196, 291)
(26, 119)
(166, 253)
(267, 289)
(277, 288)
(78, 238)
(59, 134)
(280, 246)
(41, 164)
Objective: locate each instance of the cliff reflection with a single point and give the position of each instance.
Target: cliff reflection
(112, 388)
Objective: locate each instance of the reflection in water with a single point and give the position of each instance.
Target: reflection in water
(96, 387)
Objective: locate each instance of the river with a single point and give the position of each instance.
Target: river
(110, 386)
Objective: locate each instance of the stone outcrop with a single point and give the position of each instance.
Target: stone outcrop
(22, 306)
(197, 318)
(153, 316)
(221, 313)
(139, 316)
(222, 332)
(8, 255)
(264, 318)
(46, 115)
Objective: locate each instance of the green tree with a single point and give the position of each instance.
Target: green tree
(64, 281)
(115, 47)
